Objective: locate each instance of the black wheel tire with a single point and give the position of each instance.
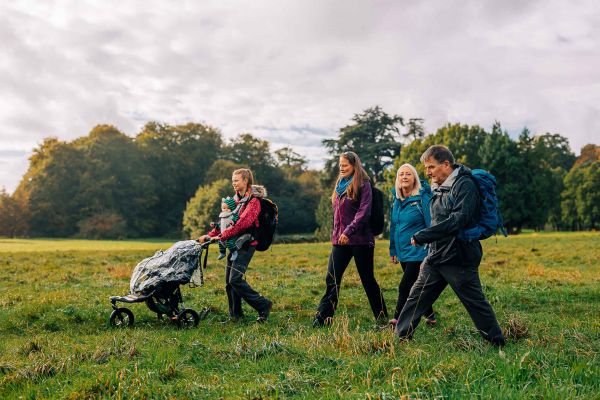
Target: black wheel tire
(188, 319)
(121, 318)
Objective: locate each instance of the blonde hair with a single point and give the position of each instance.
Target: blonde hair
(360, 176)
(416, 186)
(246, 175)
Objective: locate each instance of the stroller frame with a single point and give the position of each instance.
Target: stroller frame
(165, 301)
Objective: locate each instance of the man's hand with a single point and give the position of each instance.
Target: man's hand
(343, 239)
(394, 259)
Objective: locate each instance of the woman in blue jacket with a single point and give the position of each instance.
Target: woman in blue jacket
(410, 214)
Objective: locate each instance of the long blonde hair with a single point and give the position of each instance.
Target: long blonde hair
(360, 176)
(416, 186)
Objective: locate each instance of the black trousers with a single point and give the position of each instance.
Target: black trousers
(236, 286)
(411, 272)
(338, 262)
(464, 280)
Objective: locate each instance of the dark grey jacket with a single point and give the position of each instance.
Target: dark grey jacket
(455, 205)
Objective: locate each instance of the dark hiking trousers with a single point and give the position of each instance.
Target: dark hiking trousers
(464, 280)
(411, 272)
(338, 262)
(236, 286)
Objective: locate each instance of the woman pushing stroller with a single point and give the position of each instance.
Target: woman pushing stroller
(248, 207)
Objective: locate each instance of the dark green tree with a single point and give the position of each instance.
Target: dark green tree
(255, 153)
(544, 158)
(115, 183)
(221, 169)
(177, 158)
(529, 171)
(50, 189)
(13, 219)
(375, 136)
(554, 149)
(292, 163)
(581, 197)
(324, 217)
(297, 199)
(464, 141)
(415, 129)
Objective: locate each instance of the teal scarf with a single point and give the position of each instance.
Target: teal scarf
(343, 184)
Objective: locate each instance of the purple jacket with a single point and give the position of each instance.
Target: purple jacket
(352, 218)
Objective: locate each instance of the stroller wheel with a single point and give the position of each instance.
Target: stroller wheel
(188, 319)
(121, 318)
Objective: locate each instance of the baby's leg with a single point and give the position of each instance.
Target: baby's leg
(222, 251)
(230, 243)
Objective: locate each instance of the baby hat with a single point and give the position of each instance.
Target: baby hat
(230, 201)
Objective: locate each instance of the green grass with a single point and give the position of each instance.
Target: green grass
(56, 342)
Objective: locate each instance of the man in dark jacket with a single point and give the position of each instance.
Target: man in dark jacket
(455, 205)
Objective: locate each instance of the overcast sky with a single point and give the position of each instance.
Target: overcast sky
(293, 72)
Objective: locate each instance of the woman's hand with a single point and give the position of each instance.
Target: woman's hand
(203, 238)
(394, 259)
(343, 239)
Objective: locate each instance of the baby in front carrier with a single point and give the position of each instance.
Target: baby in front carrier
(228, 217)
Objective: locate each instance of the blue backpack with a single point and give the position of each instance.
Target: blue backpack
(490, 219)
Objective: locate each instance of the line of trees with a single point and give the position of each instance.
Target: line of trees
(168, 180)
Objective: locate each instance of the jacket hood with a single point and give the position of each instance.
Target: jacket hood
(258, 191)
(459, 170)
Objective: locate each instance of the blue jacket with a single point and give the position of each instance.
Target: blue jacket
(409, 216)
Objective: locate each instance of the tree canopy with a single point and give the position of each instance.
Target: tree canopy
(168, 179)
(375, 136)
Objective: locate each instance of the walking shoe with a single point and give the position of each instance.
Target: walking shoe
(498, 341)
(393, 322)
(263, 315)
(430, 320)
(236, 318)
(318, 322)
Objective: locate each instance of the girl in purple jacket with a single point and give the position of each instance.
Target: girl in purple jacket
(351, 237)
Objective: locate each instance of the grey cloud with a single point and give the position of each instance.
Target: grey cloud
(295, 72)
(10, 153)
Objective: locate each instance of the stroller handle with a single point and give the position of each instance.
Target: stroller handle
(208, 243)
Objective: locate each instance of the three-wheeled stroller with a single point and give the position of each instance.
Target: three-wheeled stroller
(156, 281)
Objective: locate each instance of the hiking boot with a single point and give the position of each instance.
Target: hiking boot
(263, 315)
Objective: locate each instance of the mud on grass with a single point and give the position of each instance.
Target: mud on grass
(54, 308)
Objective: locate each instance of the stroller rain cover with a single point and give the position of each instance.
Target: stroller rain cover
(175, 265)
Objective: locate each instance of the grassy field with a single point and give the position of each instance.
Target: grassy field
(56, 342)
